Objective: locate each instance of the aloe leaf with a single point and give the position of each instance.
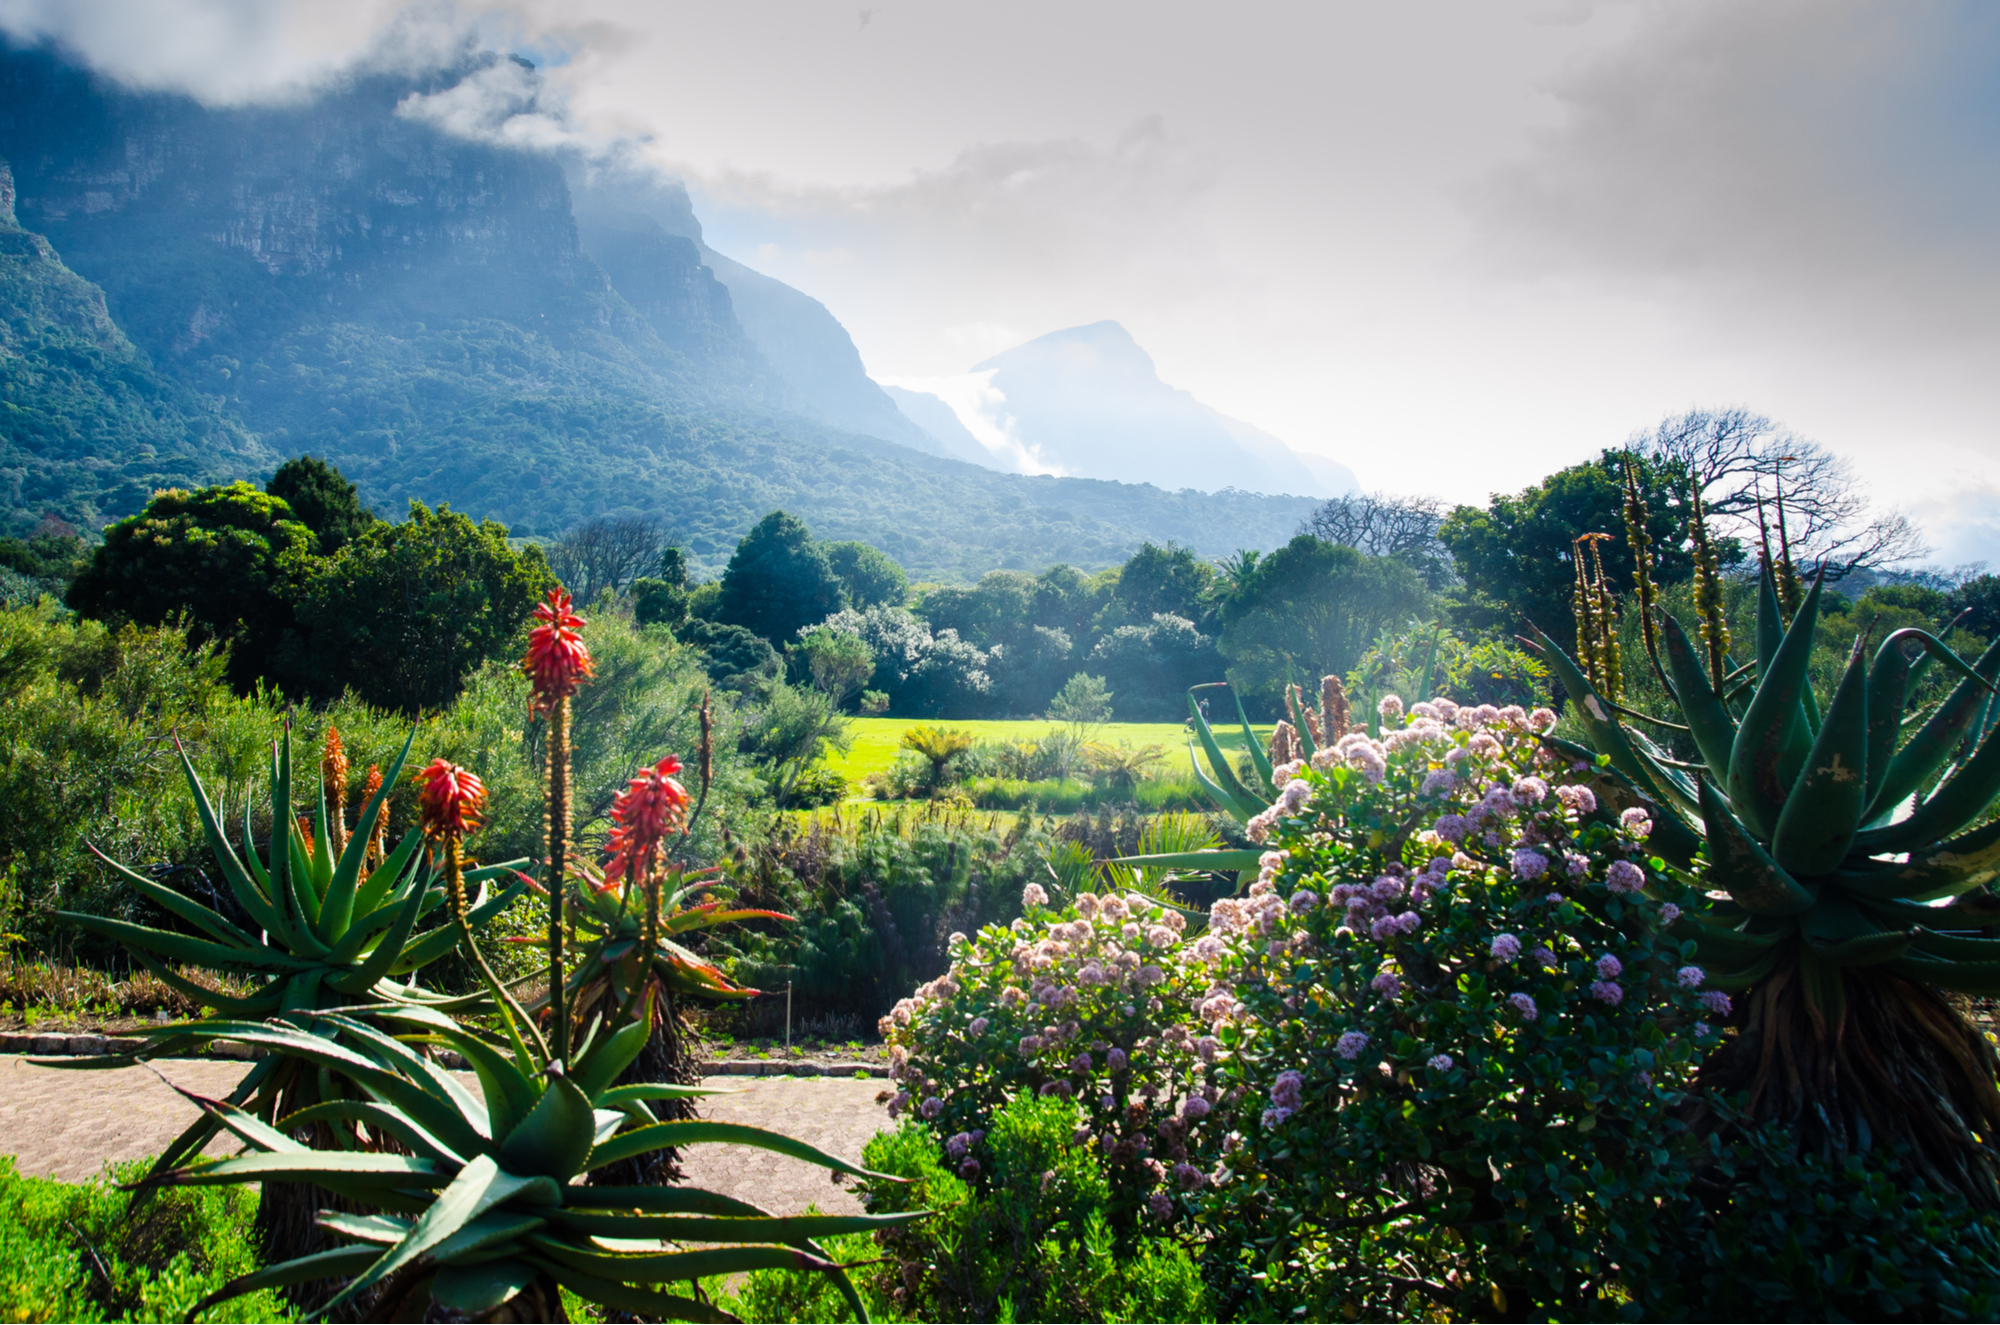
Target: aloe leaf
(1225, 777)
(443, 939)
(322, 864)
(185, 948)
(1863, 949)
(487, 1231)
(347, 1168)
(479, 1187)
(1769, 733)
(1959, 799)
(186, 908)
(394, 874)
(1742, 868)
(380, 1118)
(1888, 694)
(555, 1138)
(640, 1303)
(619, 1096)
(386, 954)
(1599, 722)
(1770, 620)
(674, 1266)
(1708, 719)
(1823, 810)
(642, 1140)
(1927, 750)
(1221, 799)
(1746, 976)
(1946, 869)
(240, 883)
(1979, 979)
(600, 1065)
(475, 1291)
(1259, 759)
(229, 1006)
(1956, 947)
(508, 1093)
(1735, 945)
(343, 877)
(334, 1264)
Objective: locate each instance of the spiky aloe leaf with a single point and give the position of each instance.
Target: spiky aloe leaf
(644, 1140)
(555, 1138)
(343, 877)
(1863, 949)
(1928, 749)
(1743, 869)
(304, 1270)
(641, 1303)
(792, 1230)
(1958, 800)
(476, 1290)
(363, 977)
(1708, 718)
(1770, 742)
(379, 1118)
(1823, 810)
(1239, 800)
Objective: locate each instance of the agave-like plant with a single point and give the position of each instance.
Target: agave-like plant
(490, 1211)
(1847, 878)
(614, 967)
(337, 928)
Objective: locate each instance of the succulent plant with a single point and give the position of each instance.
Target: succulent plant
(1846, 868)
(490, 1208)
(336, 929)
(611, 928)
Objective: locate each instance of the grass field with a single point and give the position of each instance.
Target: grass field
(876, 740)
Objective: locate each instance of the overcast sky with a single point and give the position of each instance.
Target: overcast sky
(1453, 245)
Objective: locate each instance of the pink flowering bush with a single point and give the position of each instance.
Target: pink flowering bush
(1096, 1002)
(1448, 1003)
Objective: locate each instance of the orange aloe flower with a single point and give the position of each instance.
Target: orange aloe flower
(649, 808)
(450, 801)
(558, 661)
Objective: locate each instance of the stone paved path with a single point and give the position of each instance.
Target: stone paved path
(68, 1125)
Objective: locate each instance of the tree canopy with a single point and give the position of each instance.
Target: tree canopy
(869, 575)
(322, 500)
(779, 581)
(231, 559)
(1310, 609)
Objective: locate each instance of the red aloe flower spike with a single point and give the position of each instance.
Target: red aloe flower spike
(451, 800)
(651, 806)
(558, 661)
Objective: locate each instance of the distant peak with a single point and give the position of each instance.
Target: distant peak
(1098, 347)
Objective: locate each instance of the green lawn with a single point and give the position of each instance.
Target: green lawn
(876, 739)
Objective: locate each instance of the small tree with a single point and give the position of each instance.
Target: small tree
(940, 745)
(869, 575)
(1083, 701)
(323, 500)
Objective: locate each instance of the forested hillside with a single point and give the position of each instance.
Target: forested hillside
(345, 278)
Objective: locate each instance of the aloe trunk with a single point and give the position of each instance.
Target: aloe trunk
(1849, 868)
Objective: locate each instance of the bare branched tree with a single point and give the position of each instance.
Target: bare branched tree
(1747, 467)
(1380, 524)
(606, 553)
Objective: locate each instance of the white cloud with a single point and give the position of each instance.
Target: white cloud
(1963, 524)
(982, 408)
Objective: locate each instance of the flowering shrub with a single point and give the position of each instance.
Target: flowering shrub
(1094, 1002)
(1452, 1005)
(1435, 1052)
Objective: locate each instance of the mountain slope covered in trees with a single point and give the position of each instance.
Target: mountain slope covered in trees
(345, 277)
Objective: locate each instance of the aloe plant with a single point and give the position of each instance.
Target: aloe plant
(1848, 868)
(332, 930)
(614, 968)
(490, 1210)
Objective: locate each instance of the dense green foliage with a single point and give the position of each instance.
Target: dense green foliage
(84, 1253)
(1310, 609)
(321, 499)
(779, 581)
(405, 612)
(1514, 555)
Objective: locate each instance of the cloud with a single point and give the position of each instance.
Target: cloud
(1963, 524)
(1023, 234)
(1783, 168)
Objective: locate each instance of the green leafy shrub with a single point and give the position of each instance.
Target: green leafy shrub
(1022, 1228)
(80, 1252)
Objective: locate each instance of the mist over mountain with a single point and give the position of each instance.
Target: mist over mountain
(444, 319)
(1088, 402)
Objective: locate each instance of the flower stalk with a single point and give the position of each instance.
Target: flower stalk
(558, 662)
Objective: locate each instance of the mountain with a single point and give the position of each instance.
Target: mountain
(87, 429)
(348, 277)
(1088, 402)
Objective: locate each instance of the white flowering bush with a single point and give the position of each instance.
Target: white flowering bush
(1453, 1029)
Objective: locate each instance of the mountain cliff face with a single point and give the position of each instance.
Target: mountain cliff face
(88, 429)
(344, 277)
